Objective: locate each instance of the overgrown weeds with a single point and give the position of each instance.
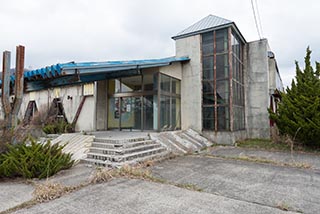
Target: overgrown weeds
(48, 191)
(33, 160)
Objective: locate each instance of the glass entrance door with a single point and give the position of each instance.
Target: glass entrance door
(130, 113)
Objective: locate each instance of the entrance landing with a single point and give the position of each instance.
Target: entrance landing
(122, 135)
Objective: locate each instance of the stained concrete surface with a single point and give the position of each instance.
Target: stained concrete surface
(137, 196)
(229, 186)
(13, 193)
(75, 176)
(311, 160)
(268, 185)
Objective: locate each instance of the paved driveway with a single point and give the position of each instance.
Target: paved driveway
(228, 186)
(263, 184)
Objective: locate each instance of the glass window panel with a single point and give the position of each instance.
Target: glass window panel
(165, 113)
(223, 118)
(208, 65)
(150, 81)
(130, 113)
(175, 113)
(176, 86)
(208, 87)
(165, 83)
(148, 113)
(222, 41)
(208, 99)
(208, 112)
(208, 124)
(222, 91)
(222, 66)
(207, 38)
(207, 49)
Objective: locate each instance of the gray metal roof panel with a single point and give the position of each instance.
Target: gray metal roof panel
(208, 22)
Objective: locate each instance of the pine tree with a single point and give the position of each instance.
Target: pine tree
(298, 114)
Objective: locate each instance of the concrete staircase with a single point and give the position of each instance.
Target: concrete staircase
(117, 152)
(182, 142)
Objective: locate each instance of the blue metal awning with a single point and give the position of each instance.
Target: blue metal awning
(73, 73)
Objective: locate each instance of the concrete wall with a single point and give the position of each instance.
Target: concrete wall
(225, 138)
(272, 75)
(191, 93)
(257, 89)
(173, 70)
(44, 99)
(102, 105)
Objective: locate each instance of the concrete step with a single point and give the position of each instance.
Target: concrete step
(121, 145)
(126, 157)
(149, 157)
(120, 141)
(169, 144)
(189, 139)
(198, 137)
(96, 162)
(123, 151)
(178, 143)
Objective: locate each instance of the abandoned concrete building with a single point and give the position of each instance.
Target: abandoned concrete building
(217, 84)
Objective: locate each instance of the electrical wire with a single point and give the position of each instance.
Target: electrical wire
(259, 18)
(255, 19)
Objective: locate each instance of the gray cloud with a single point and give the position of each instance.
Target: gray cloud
(96, 30)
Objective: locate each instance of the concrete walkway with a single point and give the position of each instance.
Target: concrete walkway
(263, 184)
(13, 193)
(137, 196)
(308, 160)
(228, 186)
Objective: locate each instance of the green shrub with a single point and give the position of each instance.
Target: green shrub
(57, 127)
(298, 114)
(33, 160)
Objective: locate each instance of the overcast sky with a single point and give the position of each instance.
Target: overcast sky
(57, 31)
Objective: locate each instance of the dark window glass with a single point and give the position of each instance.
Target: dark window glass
(165, 113)
(208, 124)
(148, 115)
(207, 43)
(176, 86)
(222, 66)
(222, 91)
(208, 112)
(223, 118)
(165, 83)
(222, 41)
(207, 65)
(208, 87)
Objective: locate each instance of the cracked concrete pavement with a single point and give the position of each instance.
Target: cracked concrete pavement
(264, 184)
(229, 186)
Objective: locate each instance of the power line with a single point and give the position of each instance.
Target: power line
(259, 18)
(255, 18)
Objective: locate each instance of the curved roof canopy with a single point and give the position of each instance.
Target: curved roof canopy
(82, 72)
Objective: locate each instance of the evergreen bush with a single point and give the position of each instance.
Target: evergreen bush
(298, 114)
(33, 160)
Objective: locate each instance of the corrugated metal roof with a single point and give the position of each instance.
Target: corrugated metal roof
(88, 68)
(209, 22)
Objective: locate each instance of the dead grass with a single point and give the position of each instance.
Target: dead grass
(26, 204)
(48, 191)
(265, 161)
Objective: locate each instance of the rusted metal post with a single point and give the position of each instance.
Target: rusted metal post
(18, 86)
(6, 89)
